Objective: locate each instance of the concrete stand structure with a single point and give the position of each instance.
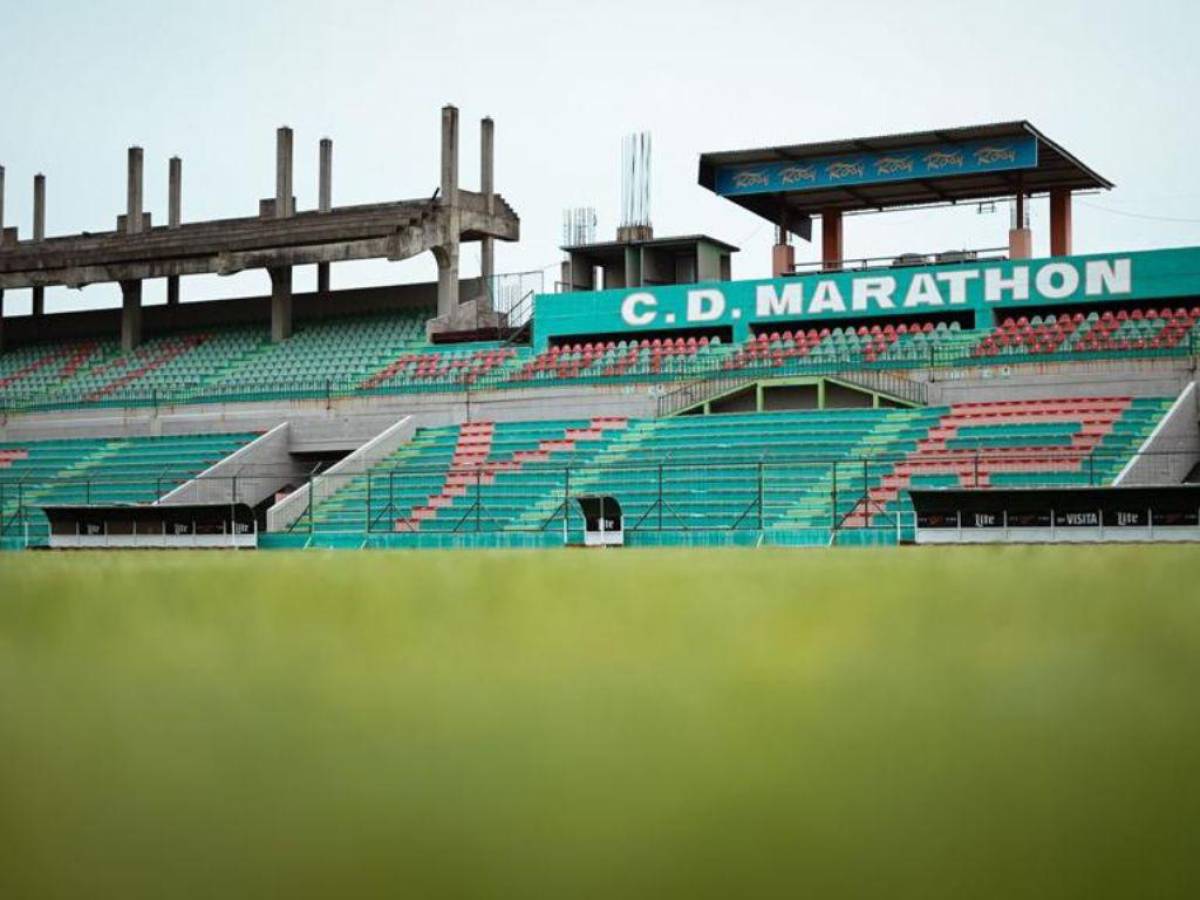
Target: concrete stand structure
(277, 239)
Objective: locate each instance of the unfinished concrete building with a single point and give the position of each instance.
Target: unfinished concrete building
(277, 239)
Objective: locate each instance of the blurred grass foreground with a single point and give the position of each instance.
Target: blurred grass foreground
(1019, 722)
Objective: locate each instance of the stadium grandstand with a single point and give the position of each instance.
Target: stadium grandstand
(796, 410)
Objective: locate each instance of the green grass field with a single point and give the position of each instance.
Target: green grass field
(1020, 722)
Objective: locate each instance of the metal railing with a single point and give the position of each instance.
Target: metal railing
(741, 493)
(901, 261)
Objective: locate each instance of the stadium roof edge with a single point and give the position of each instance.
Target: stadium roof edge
(1056, 169)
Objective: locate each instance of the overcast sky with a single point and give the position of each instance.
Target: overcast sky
(1114, 82)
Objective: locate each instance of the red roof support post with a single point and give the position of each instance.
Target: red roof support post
(1060, 222)
(1020, 238)
(831, 239)
(783, 254)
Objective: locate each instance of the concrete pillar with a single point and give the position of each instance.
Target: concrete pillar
(832, 249)
(325, 187)
(134, 192)
(131, 314)
(174, 217)
(487, 185)
(131, 291)
(283, 173)
(174, 192)
(281, 303)
(1, 239)
(1060, 222)
(281, 276)
(325, 204)
(39, 234)
(447, 257)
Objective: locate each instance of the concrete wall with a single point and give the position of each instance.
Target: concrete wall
(791, 396)
(839, 396)
(249, 475)
(341, 425)
(164, 319)
(1172, 449)
(281, 516)
(1146, 378)
(741, 402)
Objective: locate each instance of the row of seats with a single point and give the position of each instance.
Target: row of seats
(389, 353)
(1121, 332)
(799, 471)
(84, 471)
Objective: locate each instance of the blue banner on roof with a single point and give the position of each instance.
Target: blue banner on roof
(937, 161)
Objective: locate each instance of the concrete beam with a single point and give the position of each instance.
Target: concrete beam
(325, 204)
(487, 187)
(281, 303)
(397, 241)
(131, 315)
(284, 206)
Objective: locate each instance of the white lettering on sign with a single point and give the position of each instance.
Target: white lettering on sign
(705, 305)
(1052, 281)
(877, 289)
(995, 284)
(923, 291)
(631, 305)
(957, 280)
(1057, 280)
(1104, 277)
(770, 302)
(827, 298)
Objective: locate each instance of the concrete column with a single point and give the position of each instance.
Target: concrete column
(174, 192)
(281, 303)
(325, 187)
(1060, 222)
(281, 276)
(131, 315)
(487, 185)
(325, 204)
(832, 249)
(39, 234)
(1, 240)
(283, 173)
(174, 216)
(447, 258)
(134, 192)
(131, 291)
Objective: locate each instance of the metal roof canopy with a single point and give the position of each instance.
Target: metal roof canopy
(1056, 169)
